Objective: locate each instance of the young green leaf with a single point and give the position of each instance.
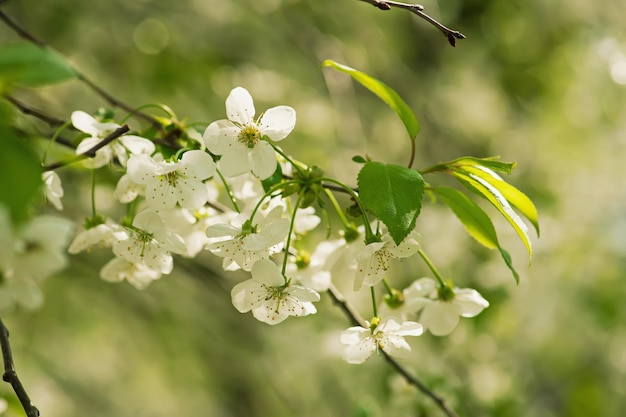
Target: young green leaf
(492, 162)
(518, 199)
(394, 194)
(32, 66)
(384, 92)
(483, 188)
(475, 220)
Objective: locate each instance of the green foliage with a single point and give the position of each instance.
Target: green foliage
(394, 194)
(385, 93)
(475, 220)
(21, 171)
(32, 66)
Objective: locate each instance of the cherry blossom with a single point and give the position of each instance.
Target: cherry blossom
(171, 182)
(53, 190)
(120, 147)
(137, 274)
(374, 259)
(270, 298)
(242, 141)
(242, 246)
(360, 342)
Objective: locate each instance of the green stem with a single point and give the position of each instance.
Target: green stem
(53, 140)
(369, 235)
(229, 192)
(93, 193)
(374, 308)
(432, 267)
(288, 159)
(388, 286)
(268, 193)
(291, 226)
(337, 207)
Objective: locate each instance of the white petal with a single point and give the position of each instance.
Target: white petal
(161, 195)
(86, 123)
(191, 194)
(239, 106)
(197, 164)
(266, 272)
(359, 344)
(149, 221)
(469, 302)
(304, 294)
(263, 159)
(235, 162)
(247, 295)
(137, 145)
(221, 230)
(221, 136)
(127, 190)
(440, 318)
(268, 313)
(278, 122)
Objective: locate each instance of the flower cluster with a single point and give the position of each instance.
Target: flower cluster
(254, 220)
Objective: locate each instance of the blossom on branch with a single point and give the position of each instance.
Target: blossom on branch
(119, 147)
(150, 243)
(270, 297)
(242, 246)
(242, 140)
(388, 335)
(374, 260)
(168, 183)
(53, 190)
(441, 307)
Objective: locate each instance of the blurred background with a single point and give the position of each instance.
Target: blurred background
(541, 83)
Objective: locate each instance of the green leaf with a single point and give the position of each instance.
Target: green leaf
(483, 188)
(21, 169)
(384, 92)
(492, 162)
(274, 179)
(475, 220)
(394, 194)
(518, 199)
(30, 65)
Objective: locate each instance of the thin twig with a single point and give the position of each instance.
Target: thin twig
(450, 34)
(91, 152)
(10, 375)
(23, 33)
(357, 320)
(31, 111)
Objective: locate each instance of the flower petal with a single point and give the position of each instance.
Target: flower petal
(469, 302)
(240, 106)
(220, 136)
(263, 159)
(266, 272)
(235, 162)
(440, 318)
(278, 122)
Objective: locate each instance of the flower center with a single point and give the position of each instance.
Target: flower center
(171, 178)
(249, 135)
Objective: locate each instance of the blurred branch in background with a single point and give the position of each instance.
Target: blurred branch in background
(418, 9)
(10, 375)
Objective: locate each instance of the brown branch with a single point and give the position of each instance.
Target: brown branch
(23, 33)
(91, 152)
(10, 375)
(357, 320)
(418, 9)
(31, 111)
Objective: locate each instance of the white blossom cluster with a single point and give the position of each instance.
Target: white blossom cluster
(172, 200)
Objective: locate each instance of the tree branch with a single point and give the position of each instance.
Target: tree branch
(31, 111)
(10, 375)
(91, 152)
(357, 320)
(23, 33)
(418, 9)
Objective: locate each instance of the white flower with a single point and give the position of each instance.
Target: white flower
(149, 242)
(440, 316)
(137, 274)
(28, 256)
(388, 335)
(103, 234)
(270, 298)
(313, 272)
(241, 140)
(168, 183)
(375, 258)
(127, 190)
(191, 226)
(245, 247)
(119, 147)
(53, 190)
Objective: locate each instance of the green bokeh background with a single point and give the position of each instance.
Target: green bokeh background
(541, 83)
